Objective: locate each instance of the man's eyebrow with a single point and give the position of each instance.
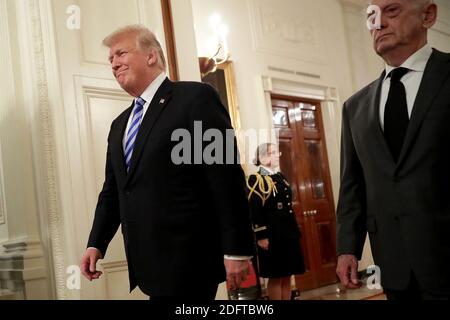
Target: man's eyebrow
(114, 53)
(391, 5)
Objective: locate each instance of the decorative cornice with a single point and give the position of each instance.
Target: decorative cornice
(288, 87)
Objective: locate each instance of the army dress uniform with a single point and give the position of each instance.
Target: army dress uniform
(273, 218)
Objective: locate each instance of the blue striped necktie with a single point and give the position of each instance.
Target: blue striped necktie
(138, 112)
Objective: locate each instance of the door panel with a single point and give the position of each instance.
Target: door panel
(304, 162)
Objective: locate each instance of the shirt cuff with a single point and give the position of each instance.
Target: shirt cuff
(237, 258)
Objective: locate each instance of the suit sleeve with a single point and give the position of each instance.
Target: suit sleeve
(351, 210)
(225, 180)
(107, 216)
(257, 212)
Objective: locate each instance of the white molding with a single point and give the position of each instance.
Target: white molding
(8, 100)
(33, 16)
(85, 88)
(186, 47)
(299, 89)
(2, 193)
(23, 267)
(286, 33)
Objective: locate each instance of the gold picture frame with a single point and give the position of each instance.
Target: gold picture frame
(222, 79)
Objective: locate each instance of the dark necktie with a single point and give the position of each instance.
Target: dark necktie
(396, 117)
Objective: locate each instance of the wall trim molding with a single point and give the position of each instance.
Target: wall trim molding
(2, 192)
(34, 19)
(23, 268)
(5, 61)
(275, 85)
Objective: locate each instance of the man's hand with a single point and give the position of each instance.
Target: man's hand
(237, 272)
(89, 262)
(264, 244)
(347, 270)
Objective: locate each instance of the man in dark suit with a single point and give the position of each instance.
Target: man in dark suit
(185, 226)
(395, 172)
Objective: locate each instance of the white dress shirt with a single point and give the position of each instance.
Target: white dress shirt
(147, 95)
(268, 170)
(416, 64)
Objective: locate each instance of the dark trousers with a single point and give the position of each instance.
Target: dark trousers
(414, 293)
(202, 292)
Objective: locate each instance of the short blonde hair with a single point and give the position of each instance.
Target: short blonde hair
(146, 40)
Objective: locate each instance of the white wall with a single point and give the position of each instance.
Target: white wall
(439, 36)
(295, 35)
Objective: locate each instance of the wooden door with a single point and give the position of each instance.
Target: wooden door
(304, 161)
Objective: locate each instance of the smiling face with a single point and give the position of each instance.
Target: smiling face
(404, 25)
(133, 68)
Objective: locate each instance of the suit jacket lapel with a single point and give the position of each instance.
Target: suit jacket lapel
(157, 105)
(436, 72)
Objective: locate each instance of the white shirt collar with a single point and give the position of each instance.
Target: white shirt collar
(417, 62)
(150, 92)
(268, 170)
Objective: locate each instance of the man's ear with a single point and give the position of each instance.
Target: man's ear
(430, 16)
(152, 58)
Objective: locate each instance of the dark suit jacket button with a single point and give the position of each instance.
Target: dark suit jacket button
(127, 192)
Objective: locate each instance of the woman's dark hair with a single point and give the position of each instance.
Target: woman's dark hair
(262, 150)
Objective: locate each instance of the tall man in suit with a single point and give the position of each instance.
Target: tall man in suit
(395, 161)
(185, 226)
